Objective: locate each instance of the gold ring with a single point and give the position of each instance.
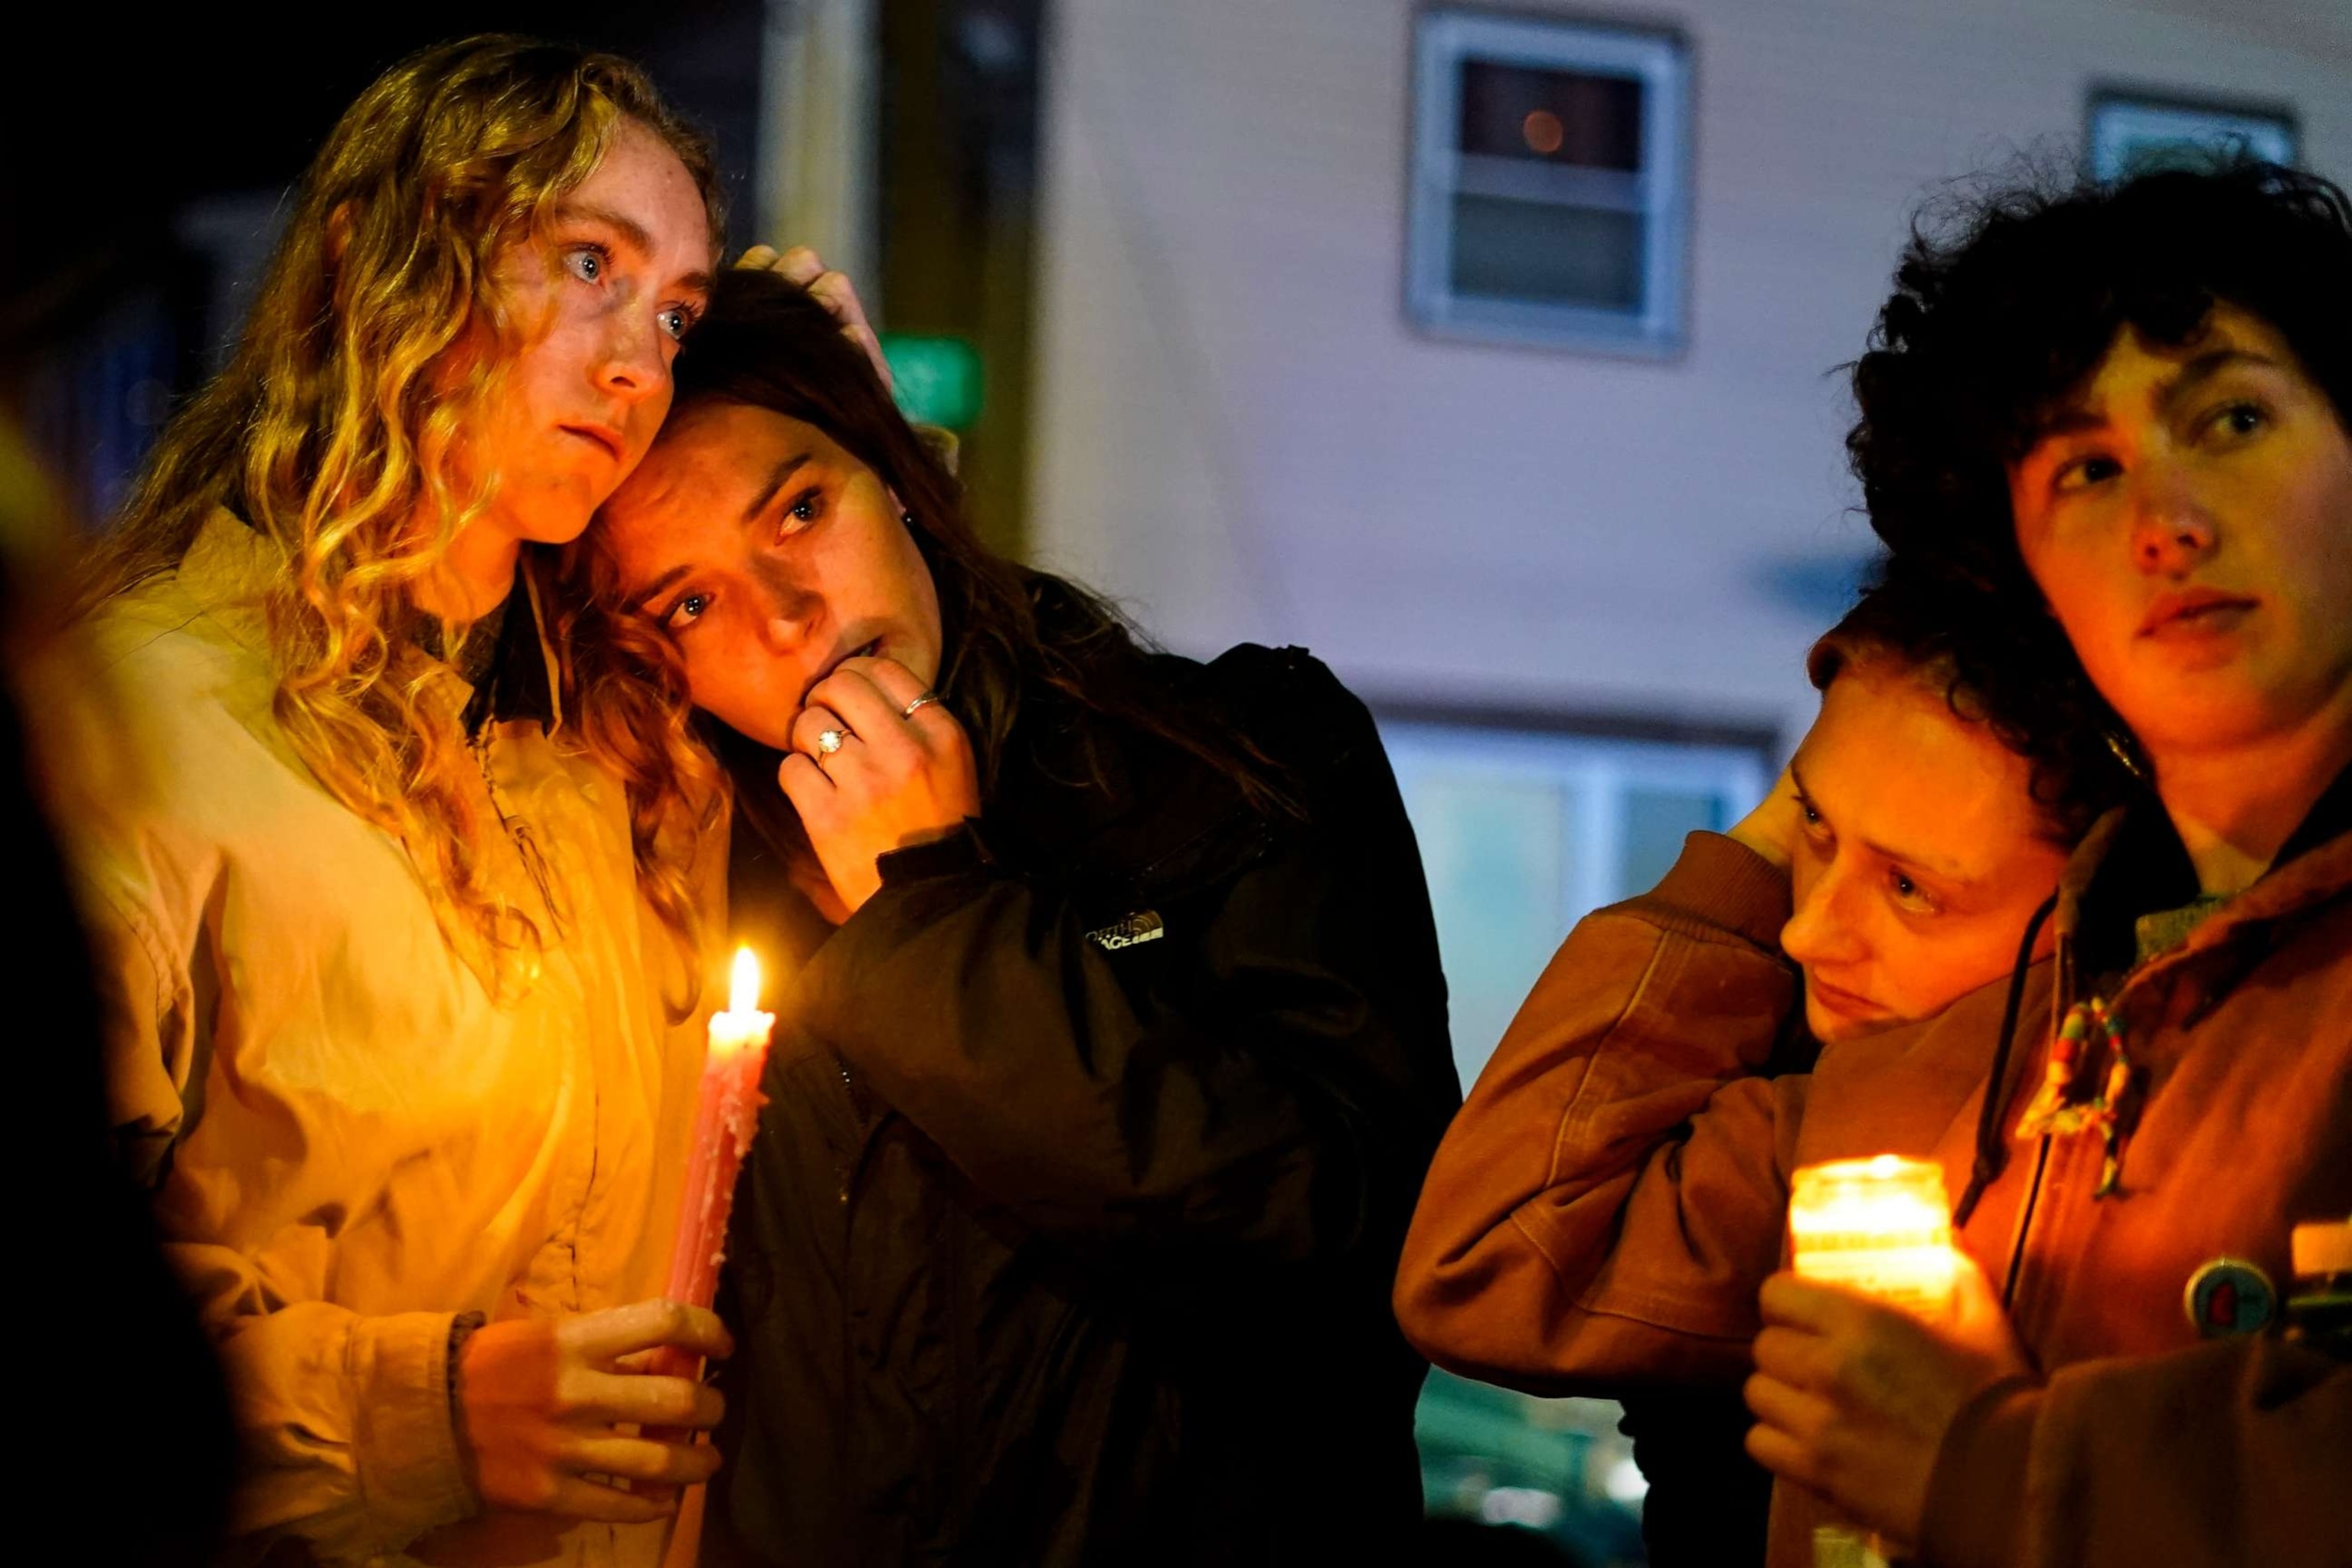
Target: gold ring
(927, 700)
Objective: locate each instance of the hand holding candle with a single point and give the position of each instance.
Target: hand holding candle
(1871, 1347)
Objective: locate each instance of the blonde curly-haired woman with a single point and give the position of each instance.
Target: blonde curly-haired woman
(399, 975)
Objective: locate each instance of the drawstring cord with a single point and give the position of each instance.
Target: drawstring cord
(1992, 1147)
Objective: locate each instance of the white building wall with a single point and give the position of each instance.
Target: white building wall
(1238, 433)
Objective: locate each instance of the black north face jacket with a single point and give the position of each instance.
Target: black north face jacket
(1090, 1145)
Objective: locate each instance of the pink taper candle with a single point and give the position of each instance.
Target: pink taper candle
(725, 1117)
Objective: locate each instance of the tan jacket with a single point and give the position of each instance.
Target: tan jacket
(355, 1143)
(1613, 1194)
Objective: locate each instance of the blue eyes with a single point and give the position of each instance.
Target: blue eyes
(589, 263)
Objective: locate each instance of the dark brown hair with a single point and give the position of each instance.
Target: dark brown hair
(2007, 301)
(1952, 636)
(1010, 634)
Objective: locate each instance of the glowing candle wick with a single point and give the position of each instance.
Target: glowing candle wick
(743, 994)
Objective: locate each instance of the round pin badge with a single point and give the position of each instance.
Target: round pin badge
(2229, 1296)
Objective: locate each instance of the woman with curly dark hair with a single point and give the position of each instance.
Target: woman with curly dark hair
(1115, 1044)
(2127, 412)
(1885, 878)
(2110, 423)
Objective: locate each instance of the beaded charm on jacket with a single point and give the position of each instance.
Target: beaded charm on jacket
(2060, 1108)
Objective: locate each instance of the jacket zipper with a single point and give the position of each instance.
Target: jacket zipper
(841, 1169)
(2024, 1228)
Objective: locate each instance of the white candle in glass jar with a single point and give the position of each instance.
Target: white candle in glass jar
(1881, 1226)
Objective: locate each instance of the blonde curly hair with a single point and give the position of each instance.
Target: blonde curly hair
(333, 429)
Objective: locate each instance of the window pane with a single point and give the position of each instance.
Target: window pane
(1495, 853)
(1549, 201)
(1546, 254)
(2130, 136)
(1655, 823)
(1557, 1467)
(1562, 117)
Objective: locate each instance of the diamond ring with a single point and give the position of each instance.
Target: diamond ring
(829, 741)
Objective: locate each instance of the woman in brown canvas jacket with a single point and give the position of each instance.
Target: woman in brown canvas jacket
(1892, 865)
(2119, 413)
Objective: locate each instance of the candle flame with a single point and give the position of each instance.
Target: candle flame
(743, 996)
(1880, 1226)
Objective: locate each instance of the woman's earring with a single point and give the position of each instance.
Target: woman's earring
(2127, 751)
(908, 518)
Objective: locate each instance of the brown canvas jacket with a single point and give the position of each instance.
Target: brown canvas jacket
(1613, 1196)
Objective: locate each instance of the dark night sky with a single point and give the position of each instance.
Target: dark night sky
(115, 117)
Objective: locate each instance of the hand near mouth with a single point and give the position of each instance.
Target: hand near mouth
(867, 777)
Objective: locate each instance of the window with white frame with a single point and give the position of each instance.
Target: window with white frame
(2131, 132)
(1524, 830)
(1550, 182)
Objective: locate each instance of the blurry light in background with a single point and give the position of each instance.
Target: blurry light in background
(935, 380)
(1625, 1482)
(1544, 132)
(1520, 1505)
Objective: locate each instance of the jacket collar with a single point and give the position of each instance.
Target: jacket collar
(526, 681)
(2132, 863)
(230, 568)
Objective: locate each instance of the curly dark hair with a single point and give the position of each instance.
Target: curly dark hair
(2004, 304)
(1953, 635)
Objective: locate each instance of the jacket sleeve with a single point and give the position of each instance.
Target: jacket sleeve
(2223, 1454)
(346, 1435)
(1605, 1207)
(1266, 1080)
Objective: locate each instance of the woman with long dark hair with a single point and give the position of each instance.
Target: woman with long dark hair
(1115, 1045)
